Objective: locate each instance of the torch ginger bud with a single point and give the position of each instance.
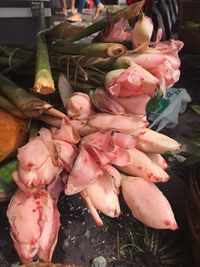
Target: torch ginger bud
(147, 203)
(102, 195)
(142, 32)
(79, 106)
(34, 221)
(132, 81)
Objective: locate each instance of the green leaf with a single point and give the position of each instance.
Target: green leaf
(192, 24)
(196, 141)
(153, 103)
(196, 108)
(185, 154)
(192, 160)
(7, 183)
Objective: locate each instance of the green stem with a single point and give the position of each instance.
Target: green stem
(28, 104)
(63, 30)
(93, 49)
(127, 13)
(44, 83)
(8, 106)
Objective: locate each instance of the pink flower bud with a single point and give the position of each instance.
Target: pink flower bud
(142, 166)
(142, 32)
(147, 203)
(79, 106)
(102, 195)
(34, 221)
(132, 81)
(103, 102)
(38, 162)
(124, 124)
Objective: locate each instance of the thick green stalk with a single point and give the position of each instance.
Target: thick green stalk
(8, 106)
(93, 49)
(88, 49)
(44, 83)
(28, 104)
(127, 13)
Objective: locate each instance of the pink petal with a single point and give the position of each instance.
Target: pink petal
(134, 104)
(158, 159)
(122, 140)
(118, 32)
(103, 102)
(57, 185)
(112, 171)
(103, 195)
(84, 172)
(49, 236)
(66, 133)
(124, 124)
(67, 154)
(93, 211)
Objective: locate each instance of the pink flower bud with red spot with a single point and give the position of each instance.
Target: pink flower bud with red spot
(34, 221)
(79, 106)
(147, 203)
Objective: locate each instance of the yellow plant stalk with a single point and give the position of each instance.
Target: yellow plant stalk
(13, 132)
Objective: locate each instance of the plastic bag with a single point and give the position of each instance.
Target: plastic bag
(167, 113)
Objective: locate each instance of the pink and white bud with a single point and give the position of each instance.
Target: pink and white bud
(147, 203)
(103, 196)
(38, 162)
(142, 32)
(123, 124)
(154, 142)
(142, 166)
(79, 106)
(34, 221)
(132, 81)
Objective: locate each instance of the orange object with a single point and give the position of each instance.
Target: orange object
(12, 133)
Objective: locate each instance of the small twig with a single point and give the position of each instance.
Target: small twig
(17, 65)
(118, 245)
(11, 56)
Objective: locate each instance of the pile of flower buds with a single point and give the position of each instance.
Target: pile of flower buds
(101, 147)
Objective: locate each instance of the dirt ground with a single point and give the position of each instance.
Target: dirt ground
(124, 241)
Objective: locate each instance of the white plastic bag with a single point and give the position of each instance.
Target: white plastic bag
(169, 108)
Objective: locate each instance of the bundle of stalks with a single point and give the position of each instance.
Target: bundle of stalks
(102, 144)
